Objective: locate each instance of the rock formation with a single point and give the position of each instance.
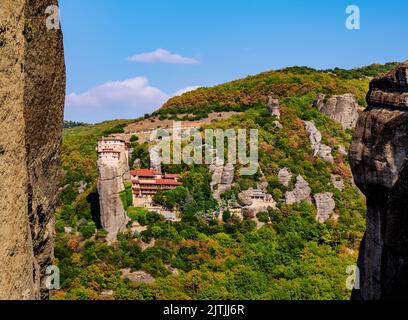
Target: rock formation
(325, 206)
(301, 192)
(82, 186)
(342, 150)
(319, 150)
(245, 198)
(337, 182)
(222, 178)
(32, 94)
(273, 106)
(113, 171)
(284, 177)
(278, 125)
(342, 109)
(155, 159)
(378, 157)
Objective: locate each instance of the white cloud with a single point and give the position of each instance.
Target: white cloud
(162, 55)
(125, 99)
(133, 92)
(185, 90)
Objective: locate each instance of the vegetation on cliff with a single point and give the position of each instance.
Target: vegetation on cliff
(290, 257)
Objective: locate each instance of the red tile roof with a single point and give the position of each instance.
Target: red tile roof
(144, 173)
(171, 176)
(168, 182)
(158, 182)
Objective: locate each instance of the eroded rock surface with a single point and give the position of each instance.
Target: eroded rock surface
(337, 182)
(273, 106)
(342, 109)
(319, 149)
(285, 177)
(32, 95)
(113, 169)
(222, 178)
(378, 158)
(325, 205)
(301, 192)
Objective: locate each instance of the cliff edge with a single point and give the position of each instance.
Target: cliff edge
(32, 94)
(378, 157)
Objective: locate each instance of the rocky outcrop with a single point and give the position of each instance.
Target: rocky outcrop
(325, 206)
(342, 109)
(245, 198)
(110, 185)
(113, 172)
(222, 178)
(32, 94)
(284, 177)
(82, 186)
(301, 192)
(138, 276)
(278, 125)
(155, 159)
(342, 150)
(337, 182)
(319, 149)
(390, 90)
(378, 157)
(273, 106)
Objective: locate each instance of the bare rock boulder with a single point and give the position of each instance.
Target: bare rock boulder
(325, 205)
(319, 150)
(273, 106)
(285, 177)
(301, 192)
(337, 182)
(342, 109)
(245, 198)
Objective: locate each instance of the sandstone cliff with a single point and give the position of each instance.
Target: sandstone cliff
(32, 94)
(378, 158)
(113, 172)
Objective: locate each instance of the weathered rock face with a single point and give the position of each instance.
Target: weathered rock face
(319, 149)
(378, 157)
(342, 109)
(155, 160)
(113, 172)
(273, 106)
(325, 206)
(32, 94)
(301, 192)
(110, 184)
(222, 178)
(337, 182)
(278, 125)
(285, 177)
(245, 198)
(390, 90)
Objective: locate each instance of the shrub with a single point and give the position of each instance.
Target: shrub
(88, 230)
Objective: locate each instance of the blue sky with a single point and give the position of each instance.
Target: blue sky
(178, 45)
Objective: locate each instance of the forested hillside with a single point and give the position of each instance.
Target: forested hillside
(290, 256)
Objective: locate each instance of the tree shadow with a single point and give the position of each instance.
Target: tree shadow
(93, 200)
